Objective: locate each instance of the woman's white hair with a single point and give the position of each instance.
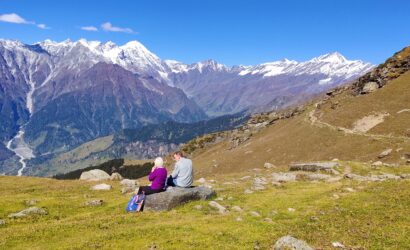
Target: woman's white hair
(159, 162)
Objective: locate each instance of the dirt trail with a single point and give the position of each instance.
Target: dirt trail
(364, 125)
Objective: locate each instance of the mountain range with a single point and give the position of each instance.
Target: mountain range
(55, 96)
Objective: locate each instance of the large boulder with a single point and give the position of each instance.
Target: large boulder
(175, 196)
(101, 186)
(291, 243)
(94, 175)
(370, 87)
(313, 166)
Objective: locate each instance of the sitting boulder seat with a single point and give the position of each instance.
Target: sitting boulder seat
(176, 196)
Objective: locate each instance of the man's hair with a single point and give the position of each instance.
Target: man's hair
(179, 153)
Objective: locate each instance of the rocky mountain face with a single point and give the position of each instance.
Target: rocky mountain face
(219, 89)
(55, 96)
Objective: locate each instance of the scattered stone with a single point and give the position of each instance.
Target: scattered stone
(387, 177)
(237, 208)
(314, 218)
(2, 223)
(273, 212)
(332, 171)
(221, 209)
(201, 180)
(289, 242)
(176, 196)
(28, 211)
(334, 179)
(248, 191)
(245, 177)
(283, 177)
(313, 166)
(239, 219)
(405, 176)
(377, 164)
(257, 169)
(230, 198)
(337, 244)
(269, 220)
(31, 202)
(219, 199)
(369, 87)
(258, 183)
(348, 189)
(94, 203)
(399, 149)
(336, 196)
(94, 175)
(291, 209)
(255, 214)
(385, 153)
(227, 183)
(360, 178)
(101, 186)
(128, 182)
(198, 207)
(116, 177)
(403, 110)
(268, 165)
(335, 159)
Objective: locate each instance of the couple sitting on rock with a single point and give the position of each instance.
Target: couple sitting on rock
(182, 176)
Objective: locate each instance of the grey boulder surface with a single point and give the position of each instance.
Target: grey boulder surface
(313, 166)
(288, 242)
(27, 212)
(176, 196)
(94, 175)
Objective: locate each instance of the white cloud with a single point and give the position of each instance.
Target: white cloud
(43, 26)
(89, 28)
(108, 27)
(14, 18)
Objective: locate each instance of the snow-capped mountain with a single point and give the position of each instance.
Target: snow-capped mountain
(61, 94)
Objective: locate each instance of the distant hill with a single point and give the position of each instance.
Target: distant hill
(355, 122)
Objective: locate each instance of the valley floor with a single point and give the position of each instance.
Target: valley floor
(360, 215)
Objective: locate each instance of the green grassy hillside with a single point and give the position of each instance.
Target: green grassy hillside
(367, 218)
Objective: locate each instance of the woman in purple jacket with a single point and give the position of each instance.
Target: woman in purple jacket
(157, 177)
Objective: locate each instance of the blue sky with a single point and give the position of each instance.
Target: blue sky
(231, 32)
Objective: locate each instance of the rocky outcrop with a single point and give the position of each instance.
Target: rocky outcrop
(289, 242)
(175, 196)
(94, 175)
(313, 166)
(94, 203)
(116, 177)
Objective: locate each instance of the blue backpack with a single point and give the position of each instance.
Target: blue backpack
(136, 202)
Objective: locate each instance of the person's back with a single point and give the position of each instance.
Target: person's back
(183, 173)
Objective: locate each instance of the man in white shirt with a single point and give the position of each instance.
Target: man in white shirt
(182, 176)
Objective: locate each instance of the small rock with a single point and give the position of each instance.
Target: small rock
(273, 212)
(348, 189)
(291, 209)
(268, 165)
(230, 198)
(101, 186)
(28, 211)
(116, 177)
(239, 219)
(276, 184)
(255, 214)
(2, 223)
(377, 164)
(201, 180)
(337, 244)
(335, 159)
(289, 242)
(314, 218)
(336, 196)
(245, 177)
(385, 153)
(269, 220)
(30, 203)
(283, 177)
(128, 182)
(317, 177)
(248, 191)
(94, 203)
(198, 207)
(219, 199)
(128, 189)
(216, 205)
(237, 208)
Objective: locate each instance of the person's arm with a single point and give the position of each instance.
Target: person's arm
(176, 171)
(152, 175)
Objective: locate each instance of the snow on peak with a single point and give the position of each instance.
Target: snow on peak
(334, 57)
